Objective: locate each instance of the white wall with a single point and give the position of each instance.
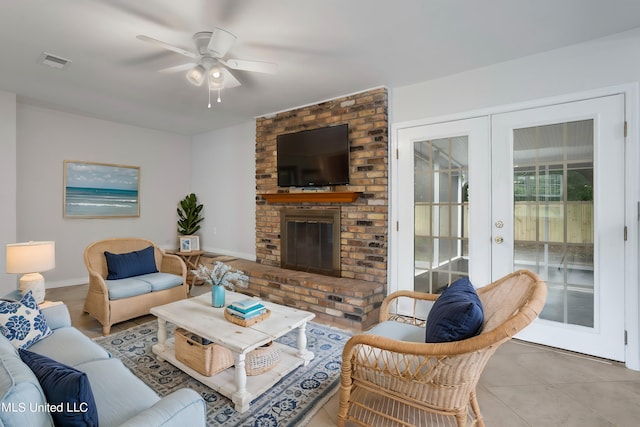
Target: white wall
(7, 185)
(45, 138)
(223, 178)
(604, 62)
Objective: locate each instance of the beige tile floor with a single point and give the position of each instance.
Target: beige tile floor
(523, 384)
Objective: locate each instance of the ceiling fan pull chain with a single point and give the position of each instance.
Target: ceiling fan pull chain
(209, 106)
(219, 99)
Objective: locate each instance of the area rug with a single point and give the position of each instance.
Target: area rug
(291, 402)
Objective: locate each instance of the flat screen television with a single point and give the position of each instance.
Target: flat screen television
(314, 158)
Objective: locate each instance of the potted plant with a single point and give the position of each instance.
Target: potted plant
(221, 276)
(189, 216)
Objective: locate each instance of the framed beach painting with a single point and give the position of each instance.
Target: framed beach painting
(101, 190)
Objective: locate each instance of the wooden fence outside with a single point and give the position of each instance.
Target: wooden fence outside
(533, 221)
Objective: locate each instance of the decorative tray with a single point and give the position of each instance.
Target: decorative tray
(246, 322)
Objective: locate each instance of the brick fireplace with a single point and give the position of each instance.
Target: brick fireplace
(361, 238)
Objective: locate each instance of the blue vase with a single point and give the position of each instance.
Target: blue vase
(217, 296)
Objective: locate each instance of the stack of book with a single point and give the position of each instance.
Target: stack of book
(247, 308)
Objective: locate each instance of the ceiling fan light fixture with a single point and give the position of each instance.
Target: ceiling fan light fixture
(209, 61)
(216, 78)
(196, 75)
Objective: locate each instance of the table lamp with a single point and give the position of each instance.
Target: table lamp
(31, 258)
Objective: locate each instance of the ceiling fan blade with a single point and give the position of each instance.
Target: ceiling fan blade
(178, 68)
(220, 43)
(258, 66)
(168, 46)
(229, 79)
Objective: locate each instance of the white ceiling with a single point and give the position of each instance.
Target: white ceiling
(323, 48)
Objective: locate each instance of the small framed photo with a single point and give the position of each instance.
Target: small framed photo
(195, 242)
(189, 243)
(185, 244)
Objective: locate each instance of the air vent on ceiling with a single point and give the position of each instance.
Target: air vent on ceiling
(54, 61)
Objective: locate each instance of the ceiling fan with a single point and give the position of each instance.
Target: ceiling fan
(209, 60)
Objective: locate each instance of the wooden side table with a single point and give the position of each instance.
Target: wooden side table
(192, 259)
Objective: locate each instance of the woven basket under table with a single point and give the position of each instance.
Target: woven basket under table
(262, 359)
(207, 359)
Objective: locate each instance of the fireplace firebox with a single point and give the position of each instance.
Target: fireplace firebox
(310, 240)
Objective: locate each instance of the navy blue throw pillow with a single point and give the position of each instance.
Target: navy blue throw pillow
(456, 315)
(67, 390)
(136, 263)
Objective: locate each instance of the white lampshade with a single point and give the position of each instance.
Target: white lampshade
(31, 258)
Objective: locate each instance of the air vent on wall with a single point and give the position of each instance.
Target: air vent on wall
(53, 61)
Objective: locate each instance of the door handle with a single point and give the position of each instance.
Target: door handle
(499, 239)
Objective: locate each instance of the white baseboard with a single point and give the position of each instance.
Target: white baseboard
(249, 257)
(67, 282)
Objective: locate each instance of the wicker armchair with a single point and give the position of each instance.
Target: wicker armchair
(109, 312)
(400, 383)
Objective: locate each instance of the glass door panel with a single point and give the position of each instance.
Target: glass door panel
(553, 215)
(441, 207)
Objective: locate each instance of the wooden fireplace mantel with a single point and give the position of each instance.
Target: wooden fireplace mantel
(319, 197)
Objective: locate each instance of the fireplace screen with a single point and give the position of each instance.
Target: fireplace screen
(310, 240)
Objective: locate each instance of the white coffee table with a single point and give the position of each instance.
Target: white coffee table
(198, 316)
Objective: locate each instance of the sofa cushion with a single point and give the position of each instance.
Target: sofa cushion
(19, 388)
(67, 390)
(120, 394)
(457, 314)
(161, 281)
(398, 331)
(70, 346)
(125, 288)
(57, 316)
(383, 360)
(22, 322)
(121, 266)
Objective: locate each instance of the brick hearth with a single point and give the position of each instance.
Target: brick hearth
(347, 303)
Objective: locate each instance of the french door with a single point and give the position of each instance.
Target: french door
(562, 194)
(442, 168)
(540, 189)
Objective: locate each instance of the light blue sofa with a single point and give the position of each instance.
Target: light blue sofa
(121, 398)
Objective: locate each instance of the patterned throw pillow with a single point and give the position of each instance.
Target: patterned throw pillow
(22, 322)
